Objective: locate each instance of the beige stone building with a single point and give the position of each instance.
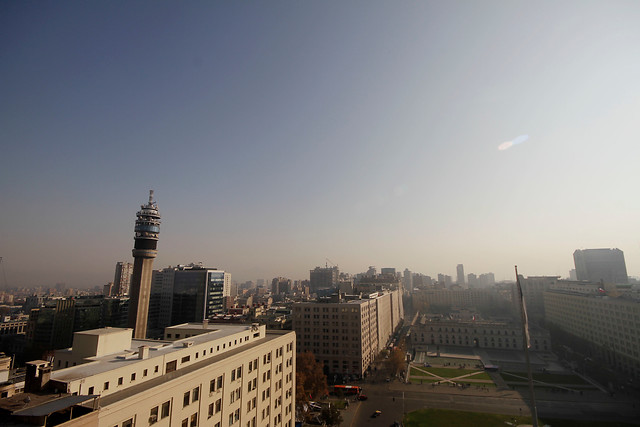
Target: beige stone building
(347, 335)
(430, 333)
(611, 324)
(200, 375)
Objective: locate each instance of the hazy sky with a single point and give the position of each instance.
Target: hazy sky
(279, 134)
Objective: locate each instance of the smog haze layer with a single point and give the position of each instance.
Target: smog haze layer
(279, 134)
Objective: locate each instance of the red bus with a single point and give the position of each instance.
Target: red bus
(347, 390)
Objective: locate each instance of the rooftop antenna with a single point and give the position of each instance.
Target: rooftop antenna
(150, 197)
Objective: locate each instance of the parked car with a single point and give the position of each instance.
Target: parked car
(376, 414)
(362, 397)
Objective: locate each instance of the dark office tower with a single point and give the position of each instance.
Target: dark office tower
(606, 265)
(460, 273)
(144, 251)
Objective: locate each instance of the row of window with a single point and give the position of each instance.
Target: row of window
(163, 410)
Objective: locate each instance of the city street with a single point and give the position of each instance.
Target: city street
(388, 398)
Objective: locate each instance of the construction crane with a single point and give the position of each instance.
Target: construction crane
(330, 262)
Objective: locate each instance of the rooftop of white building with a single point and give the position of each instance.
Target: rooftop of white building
(116, 356)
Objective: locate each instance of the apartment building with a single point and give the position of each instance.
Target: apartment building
(346, 335)
(200, 374)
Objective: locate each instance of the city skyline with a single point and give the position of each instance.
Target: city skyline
(277, 136)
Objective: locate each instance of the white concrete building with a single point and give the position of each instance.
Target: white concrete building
(610, 324)
(201, 374)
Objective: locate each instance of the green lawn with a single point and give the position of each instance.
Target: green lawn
(449, 372)
(430, 380)
(479, 376)
(442, 417)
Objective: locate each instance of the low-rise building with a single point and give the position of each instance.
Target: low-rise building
(437, 331)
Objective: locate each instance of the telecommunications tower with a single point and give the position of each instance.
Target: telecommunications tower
(144, 251)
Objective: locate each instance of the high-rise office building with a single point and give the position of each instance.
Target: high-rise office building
(601, 265)
(408, 279)
(186, 293)
(198, 293)
(122, 279)
(460, 274)
(323, 278)
(146, 229)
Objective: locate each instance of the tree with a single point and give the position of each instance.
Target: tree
(397, 359)
(310, 379)
(331, 415)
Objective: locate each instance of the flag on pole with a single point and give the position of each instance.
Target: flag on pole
(523, 307)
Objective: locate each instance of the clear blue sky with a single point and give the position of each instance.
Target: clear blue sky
(278, 134)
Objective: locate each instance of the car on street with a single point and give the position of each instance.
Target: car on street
(362, 397)
(376, 414)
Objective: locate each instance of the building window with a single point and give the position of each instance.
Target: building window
(106, 386)
(186, 359)
(194, 420)
(210, 410)
(185, 422)
(196, 394)
(165, 409)
(120, 380)
(185, 399)
(153, 415)
(144, 373)
(171, 366)
(128, 423)
(133, 377)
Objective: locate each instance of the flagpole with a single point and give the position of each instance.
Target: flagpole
(526, 342)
